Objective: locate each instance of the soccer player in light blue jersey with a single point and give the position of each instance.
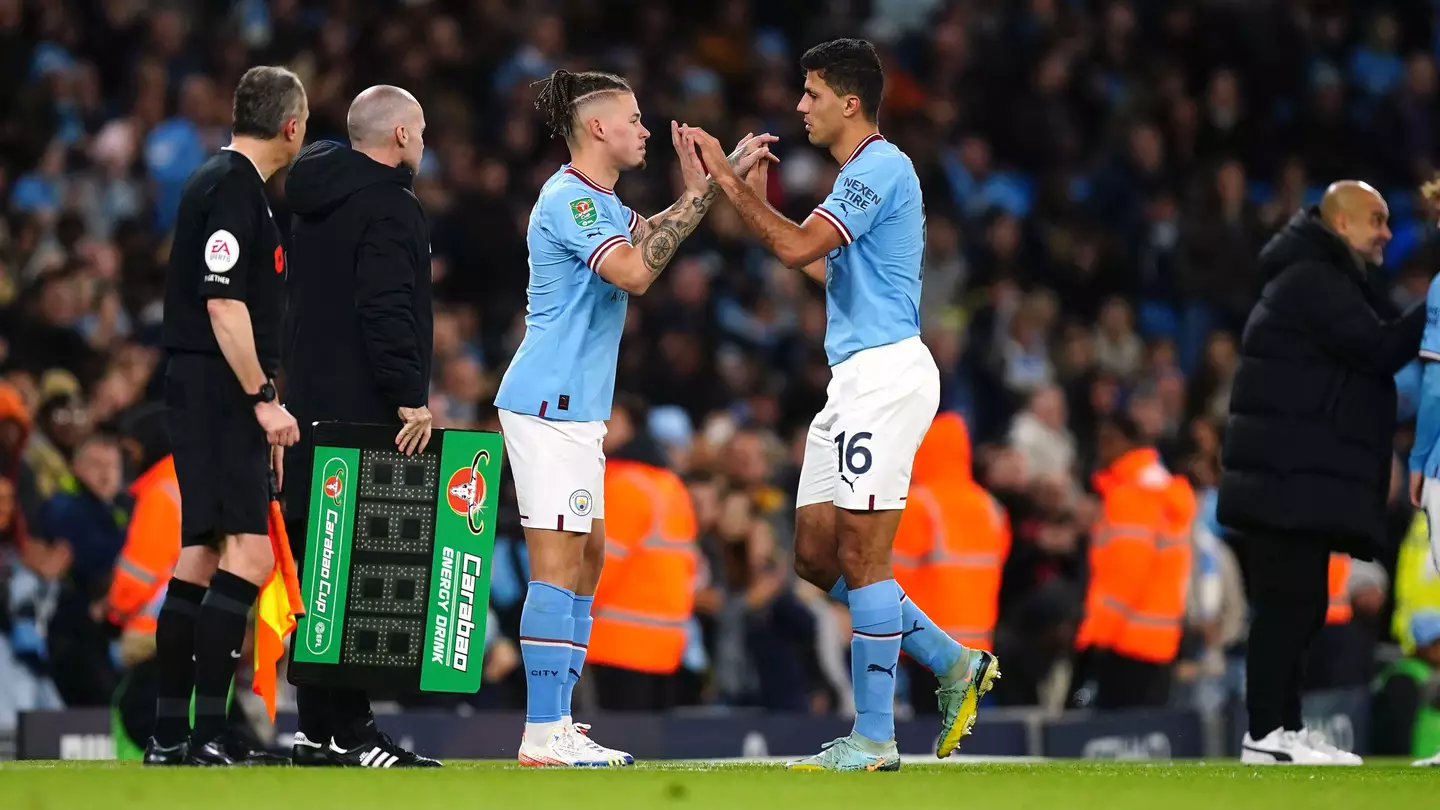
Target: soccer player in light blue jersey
(588, 255)
(865, 243)
(1425, 454)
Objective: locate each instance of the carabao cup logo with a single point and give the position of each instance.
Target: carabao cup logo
(335, 485)
(466, 492)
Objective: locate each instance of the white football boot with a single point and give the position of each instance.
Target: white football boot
(1281, 747)
(582, 731)
(560, 747)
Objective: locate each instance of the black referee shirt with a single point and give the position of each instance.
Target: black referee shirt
(226, 245)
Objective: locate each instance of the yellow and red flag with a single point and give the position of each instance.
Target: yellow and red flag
(276, 610)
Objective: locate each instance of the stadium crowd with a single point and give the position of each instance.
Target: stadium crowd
(1098, 176)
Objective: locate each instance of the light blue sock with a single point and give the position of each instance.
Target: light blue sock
(926, 643)
(874, 657)
(546, 629)
(922, 640)
(580, 613)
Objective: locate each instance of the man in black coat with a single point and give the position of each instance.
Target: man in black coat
(358, 340)
(1308, 453)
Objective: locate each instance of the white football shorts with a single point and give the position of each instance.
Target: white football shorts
(1430, 502)
(559, 470)
(861, 446)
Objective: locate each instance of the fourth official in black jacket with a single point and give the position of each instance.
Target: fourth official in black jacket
(358, 343)
(1308, 451)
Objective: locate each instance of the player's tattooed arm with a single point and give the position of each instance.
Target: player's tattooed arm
(661, 235)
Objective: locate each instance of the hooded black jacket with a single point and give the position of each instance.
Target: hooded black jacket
(1312, 413)
(359, 329)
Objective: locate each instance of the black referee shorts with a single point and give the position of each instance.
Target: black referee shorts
(222, 459)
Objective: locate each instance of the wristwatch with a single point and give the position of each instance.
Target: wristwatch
(265, 394)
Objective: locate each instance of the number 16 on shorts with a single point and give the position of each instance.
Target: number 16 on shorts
(854, 456)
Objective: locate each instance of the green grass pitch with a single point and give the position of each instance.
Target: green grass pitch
(987, 786)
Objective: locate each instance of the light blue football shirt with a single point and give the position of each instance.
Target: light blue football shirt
(565, 366)
(1426, 395)
(872, 282)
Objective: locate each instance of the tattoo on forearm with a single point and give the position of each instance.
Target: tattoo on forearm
(666, 230)
(660, 236)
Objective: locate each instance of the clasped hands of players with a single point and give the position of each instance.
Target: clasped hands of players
(753, 151)
(750, 161)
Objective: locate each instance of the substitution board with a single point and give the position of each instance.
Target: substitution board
(396, 569)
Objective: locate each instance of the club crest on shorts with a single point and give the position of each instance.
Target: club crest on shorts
(465, 492)
(581, 502)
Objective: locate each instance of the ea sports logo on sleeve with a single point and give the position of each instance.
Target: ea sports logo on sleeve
(465, 492)
(222, 251)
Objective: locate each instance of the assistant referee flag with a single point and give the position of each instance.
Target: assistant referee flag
(276, 611)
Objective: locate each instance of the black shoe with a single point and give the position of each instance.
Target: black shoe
(227, 750)
(379, 752)
(252, 751)
(157, 754)
(308, 754)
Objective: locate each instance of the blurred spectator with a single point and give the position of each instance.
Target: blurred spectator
(90, 519)
(1118, 349)
(1140, 566)
(1042, 437)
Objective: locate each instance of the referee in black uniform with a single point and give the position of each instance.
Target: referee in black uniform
(223, 301)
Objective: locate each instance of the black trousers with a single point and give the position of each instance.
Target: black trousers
(625, 690)
(1289, 595)
(324, 711)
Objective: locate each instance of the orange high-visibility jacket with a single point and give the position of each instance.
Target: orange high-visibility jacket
(152, 544)
(953, 538)
(1140, 556)
(647, 591)
(1340, 611)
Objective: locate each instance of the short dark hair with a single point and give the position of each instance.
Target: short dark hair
(560, 90)
(265, 99)
(850, 66)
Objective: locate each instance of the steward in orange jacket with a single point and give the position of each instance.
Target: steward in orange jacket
(646, 595)
(953, 538)
(1140, 556)
(152, 544)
